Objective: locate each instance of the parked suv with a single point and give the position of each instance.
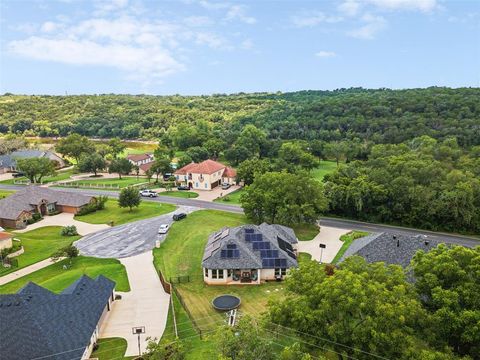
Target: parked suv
(183, 187)
(226, 186)
(179, 216)
(148, 193)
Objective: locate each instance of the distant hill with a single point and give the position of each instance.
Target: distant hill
(381, 116)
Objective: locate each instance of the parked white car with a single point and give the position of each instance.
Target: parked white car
(148, 193)
(163, 229)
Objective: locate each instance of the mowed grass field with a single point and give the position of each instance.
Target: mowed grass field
(233, 198)
(56, 278)
(181, 254)
(118, 215)
(39, 244)
(59, 176)
(5, 193)
(179, 194)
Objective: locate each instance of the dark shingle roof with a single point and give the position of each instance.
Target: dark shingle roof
(8, 160)
(248, 258)
(12, 206)
(36, 323)
(383, 247)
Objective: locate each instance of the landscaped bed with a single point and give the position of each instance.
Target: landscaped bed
(56, 278)
(118, 215)
(39, 244)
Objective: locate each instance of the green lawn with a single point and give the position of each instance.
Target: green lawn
(39, 244)
(55, 278)
(110, 349)
(181, 254)
(179, 194)
(306, 232)
(5, 193)
(304, 257)
(118, 215)
(347, 241)
(326, 167)
(60, 176)
(233, 198)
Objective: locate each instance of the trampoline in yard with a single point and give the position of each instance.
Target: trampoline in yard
(226, 302)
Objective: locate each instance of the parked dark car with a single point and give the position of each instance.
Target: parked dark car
(180, 216)
(167, 176)
(18, 174)
(183, 187)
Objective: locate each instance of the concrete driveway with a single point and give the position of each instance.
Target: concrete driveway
(330, 236)
(146, 304)
(128, 239)
(65, 219)
(210, 195)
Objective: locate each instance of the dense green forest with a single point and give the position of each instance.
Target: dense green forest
(408, 157)
(380, 116)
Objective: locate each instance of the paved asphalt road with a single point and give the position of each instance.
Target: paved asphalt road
(333, 222)
(128, 239)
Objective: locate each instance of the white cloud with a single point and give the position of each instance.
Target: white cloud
(246, 44)
(49, 26)
(313, 18)
(103, 7)
(238, 12)
(352, 7)
(138, 62)
(195, 21)
(212, 40)
(373, 24)
(325, 54)
(349, 7)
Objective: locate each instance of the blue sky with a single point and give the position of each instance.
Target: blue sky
(207, 46)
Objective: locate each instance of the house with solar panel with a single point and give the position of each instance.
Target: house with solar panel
(249, 254)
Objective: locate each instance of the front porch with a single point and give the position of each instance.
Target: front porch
(232, 276)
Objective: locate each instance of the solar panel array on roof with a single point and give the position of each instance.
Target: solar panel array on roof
(274, 263)
(261, 245)
(285, 246)
(268, 254)
(230, 254)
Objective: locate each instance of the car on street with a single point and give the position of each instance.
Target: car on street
(183, 187)
(163, 229)
(179, 216)
(148, 193)
(226, 186)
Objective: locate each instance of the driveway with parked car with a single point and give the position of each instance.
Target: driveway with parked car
(129, 239)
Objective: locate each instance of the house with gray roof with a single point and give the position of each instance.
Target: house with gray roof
(249, 254)
(36, 323)
(18, 208)
(390, 248)
(8, 162)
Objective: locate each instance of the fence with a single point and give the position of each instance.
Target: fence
(189, 314)
(88, 186)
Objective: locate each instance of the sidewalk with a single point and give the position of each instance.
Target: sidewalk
(146, 304)
(26, 270)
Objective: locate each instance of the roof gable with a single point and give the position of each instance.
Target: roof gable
(205, 167)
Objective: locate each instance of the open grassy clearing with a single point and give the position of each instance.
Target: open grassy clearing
(117, 215)
(39, 244)
(111, 349)
(59, 176)
(179, 194)
(347, 241)
(326, 167)
(233, 198)
(55, 278)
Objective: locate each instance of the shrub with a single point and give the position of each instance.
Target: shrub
(90, 208)
(69, 231)
(68, 251)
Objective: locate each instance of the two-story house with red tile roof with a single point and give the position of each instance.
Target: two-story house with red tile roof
(205, 175)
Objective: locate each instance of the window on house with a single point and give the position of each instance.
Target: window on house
(229, 273)
(206, 272)
(220, 274)
(50, 208)
(196, 184)
(206, 185)
(280, 272)
(214, 273)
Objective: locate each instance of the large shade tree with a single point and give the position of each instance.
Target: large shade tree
(35, 169)
(284, 198)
